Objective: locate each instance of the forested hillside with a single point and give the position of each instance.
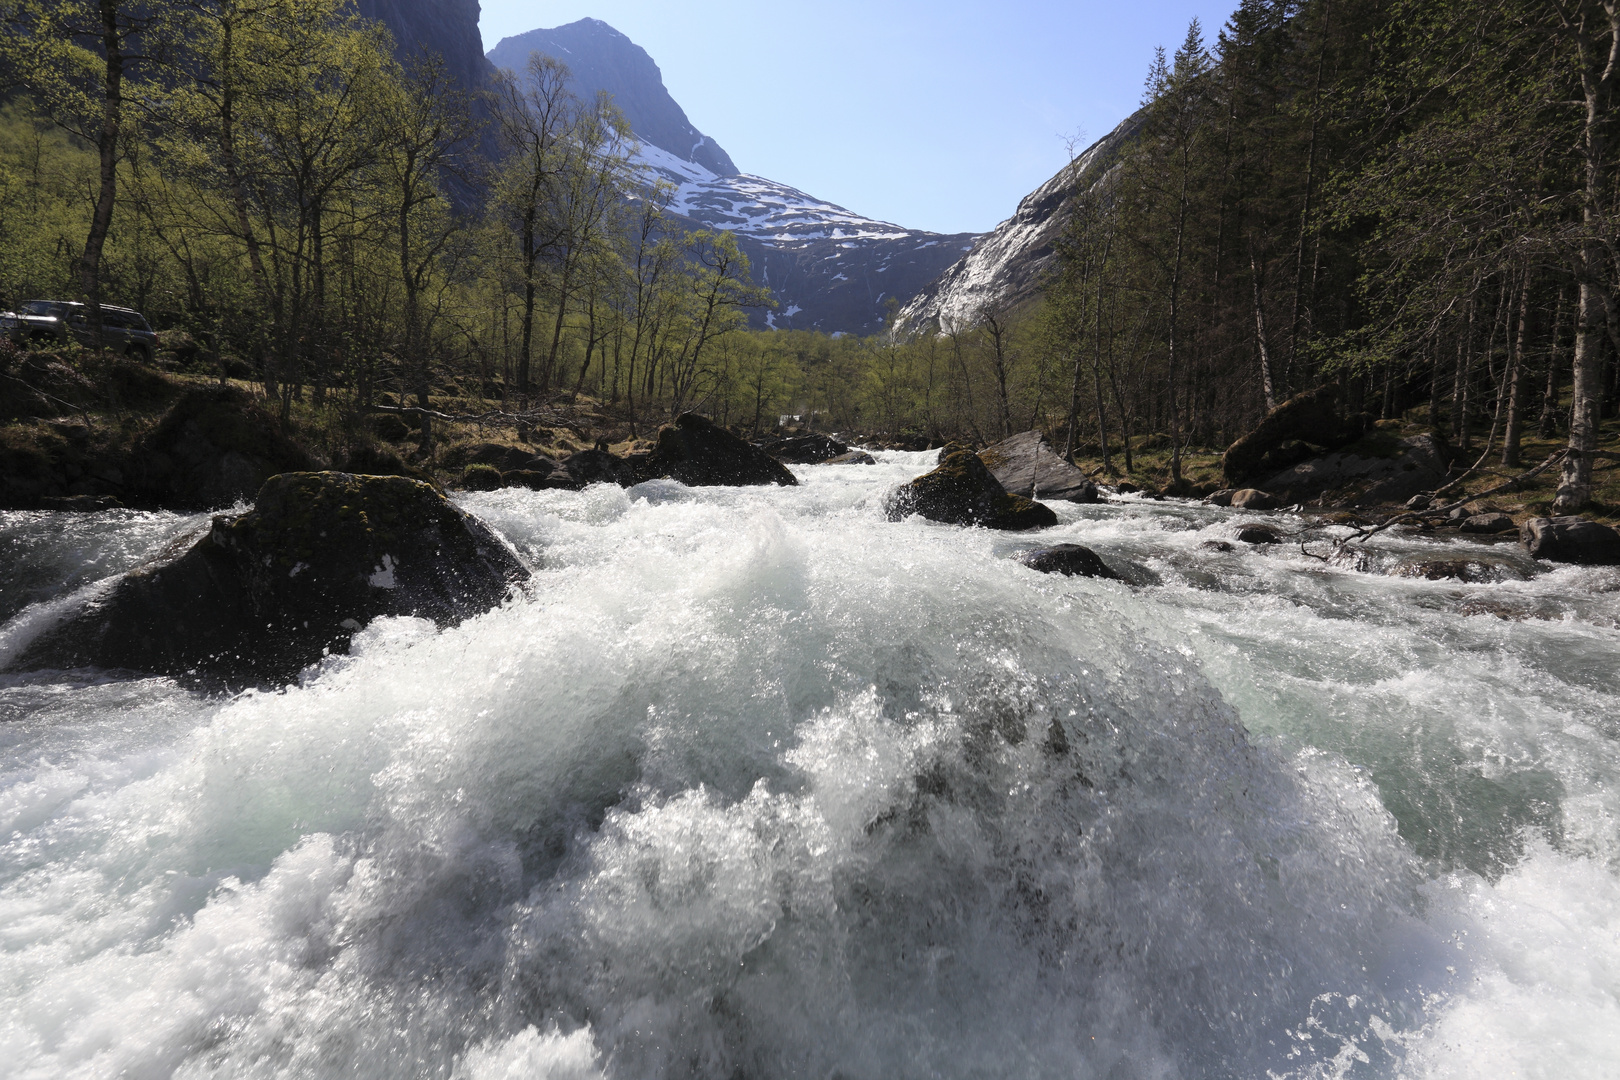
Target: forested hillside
(1416, 201)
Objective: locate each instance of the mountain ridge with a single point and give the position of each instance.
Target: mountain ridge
(827, 267)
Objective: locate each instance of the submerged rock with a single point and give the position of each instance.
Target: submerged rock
(1071, 560)
(1026, 465)
(264, 594)
(700, 453)
(1259, 534)
(1469, 569)
(962, 491)
(806, 449)
(1571, 540)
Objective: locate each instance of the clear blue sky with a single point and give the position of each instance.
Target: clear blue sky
(934, 114)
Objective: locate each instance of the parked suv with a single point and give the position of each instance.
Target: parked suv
(40, 322)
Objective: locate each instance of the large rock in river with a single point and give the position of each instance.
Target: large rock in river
(806, 449)
(1071, 560)
(1571, 540)
(962, 491)
(264, 594)
(1026, 465)
(700, 453)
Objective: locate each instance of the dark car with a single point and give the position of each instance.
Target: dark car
(42, 322)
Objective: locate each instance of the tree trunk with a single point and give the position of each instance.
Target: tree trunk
(112, 113)
(1588, 24)
(1517, 377)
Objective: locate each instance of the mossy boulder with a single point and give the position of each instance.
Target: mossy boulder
(699, 453)
(1311, 417)
(962, 491)
(481, 478)
(216, 445)
(264, 594)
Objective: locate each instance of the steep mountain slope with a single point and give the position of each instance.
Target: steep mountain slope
(602, 59)
(446, 27)
(1005, 267)
(827, 267)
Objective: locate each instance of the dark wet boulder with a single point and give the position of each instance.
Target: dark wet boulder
(1259, 534)
(854, 457)
(215, 446)
(700, 453)
(480, 478)
(1487, 524)
(1571, 540)
(806, 449)
(595, 467)
(962, 491)
(1220, 498)
(1253, 499)
(1071, 560)
(262, 595)
(1025, 465)
(532, 479)
(1125, 487)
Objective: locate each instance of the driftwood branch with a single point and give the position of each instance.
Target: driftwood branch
(1363, 535)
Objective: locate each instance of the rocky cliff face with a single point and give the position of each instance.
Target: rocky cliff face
(827, 267)
(1005, 267)
(446, 27)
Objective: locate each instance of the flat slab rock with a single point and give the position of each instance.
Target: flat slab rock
(1026, 465)
(263, 595)
(962, 491)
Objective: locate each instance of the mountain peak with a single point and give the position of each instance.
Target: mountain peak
(601, 58)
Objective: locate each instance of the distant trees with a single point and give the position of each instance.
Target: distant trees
(1413, 199)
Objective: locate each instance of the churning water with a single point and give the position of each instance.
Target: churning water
(755, 784)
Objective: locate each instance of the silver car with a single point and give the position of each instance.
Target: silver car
(41, 322)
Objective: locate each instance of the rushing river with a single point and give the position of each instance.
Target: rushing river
(755, 784)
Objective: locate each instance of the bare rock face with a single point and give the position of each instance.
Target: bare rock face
(1571, 540)
(962, 491)
(699, 453)
(1026, 465)
(267, 593)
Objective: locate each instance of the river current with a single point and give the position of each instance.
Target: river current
(753, 783)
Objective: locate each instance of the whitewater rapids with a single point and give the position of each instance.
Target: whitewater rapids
(755, 784)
